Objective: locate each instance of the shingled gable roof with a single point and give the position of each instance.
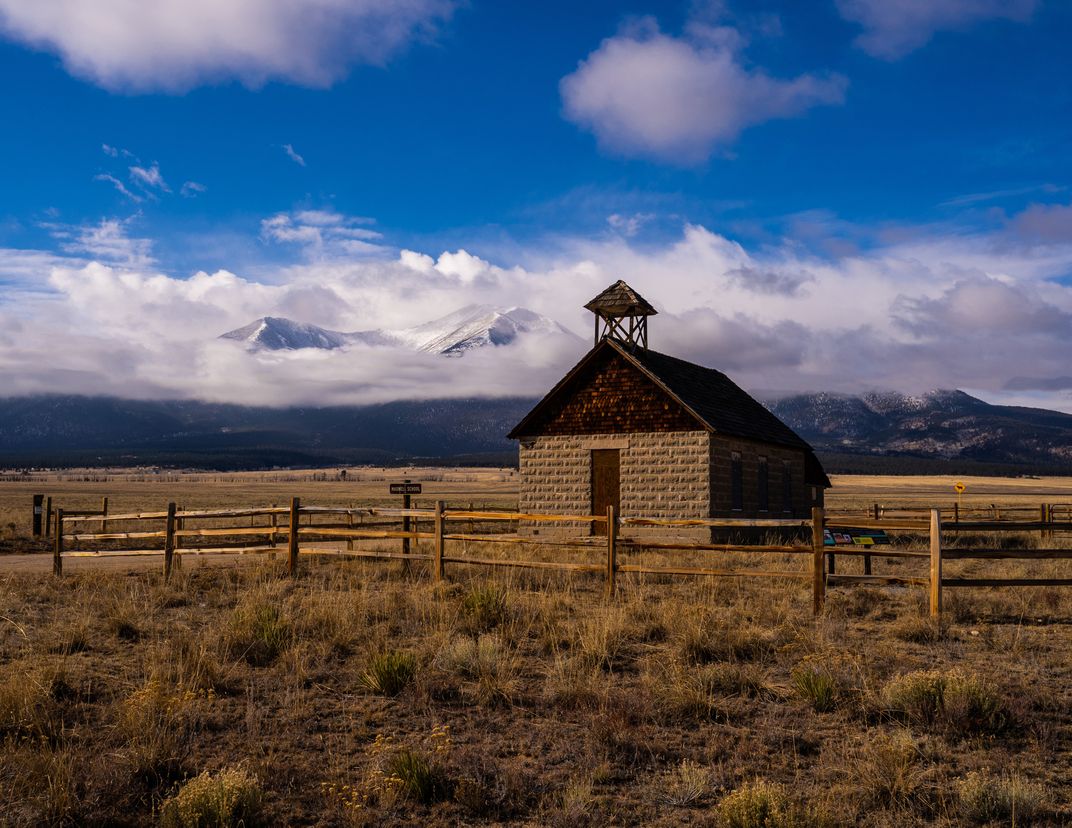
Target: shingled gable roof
(716, 401)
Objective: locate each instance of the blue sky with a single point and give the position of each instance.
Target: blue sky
(870, 172)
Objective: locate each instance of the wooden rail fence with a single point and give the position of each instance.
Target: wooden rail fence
(297, 525)
(936, 581)
(611, 545)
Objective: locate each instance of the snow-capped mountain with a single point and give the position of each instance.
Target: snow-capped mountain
(474, 326)
(274, 333)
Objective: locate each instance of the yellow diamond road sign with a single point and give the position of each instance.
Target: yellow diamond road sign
(959, 487)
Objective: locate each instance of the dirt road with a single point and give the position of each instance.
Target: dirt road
(42, 562)
(11, 564)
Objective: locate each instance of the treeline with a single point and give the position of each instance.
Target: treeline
(841, 463)
(253, 459)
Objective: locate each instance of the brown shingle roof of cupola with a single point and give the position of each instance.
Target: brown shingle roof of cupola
(621, 300)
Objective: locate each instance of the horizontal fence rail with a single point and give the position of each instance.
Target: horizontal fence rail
(298, 530)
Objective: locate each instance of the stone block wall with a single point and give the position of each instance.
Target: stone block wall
(663, 475)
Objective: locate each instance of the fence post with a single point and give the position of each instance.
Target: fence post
(38, 503)
(48, 516)
(169, 540)
(292, 540)
(818, 576)
(275, 525)
(867, 558)
(180, 524)
(936, 563)
(438, 540)
(612, 551)
(104, 515)
(57, 554)
(956, 513)
(350, 525)
(407, 502)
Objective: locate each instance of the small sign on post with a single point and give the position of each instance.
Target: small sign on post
(405, 488)
(38, 514)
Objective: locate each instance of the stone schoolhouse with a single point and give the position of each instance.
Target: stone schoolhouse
(657, 437)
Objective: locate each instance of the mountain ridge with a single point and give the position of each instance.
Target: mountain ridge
(455, 334)
(944, 424)
(938, 432)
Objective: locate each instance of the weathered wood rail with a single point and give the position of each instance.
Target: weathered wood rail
(294, 533)
(295, 527)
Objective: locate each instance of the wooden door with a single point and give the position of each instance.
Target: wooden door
(606, 488)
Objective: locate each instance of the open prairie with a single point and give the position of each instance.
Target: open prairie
(138, 489)
(361, 693)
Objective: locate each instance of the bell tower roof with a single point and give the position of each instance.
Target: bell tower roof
(622, 314)
(620, 300)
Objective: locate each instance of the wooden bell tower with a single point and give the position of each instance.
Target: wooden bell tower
(622, 314)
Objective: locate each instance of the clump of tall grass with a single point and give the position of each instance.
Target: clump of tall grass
(331, 618)
(483, 608)
(231, 798)
(390, 672)
(762, 804)
(257, 632)
(815, 685)
(711, 640)
(420, 778)
(486, 661)
(685, 693)
(889, 771)
(572, 805)
(685, 784)
(603, 641)
(918, 629)
(573, 681)
(29, 703)
(153, 723)
(986, 798)
(827, 679)
(962, 703)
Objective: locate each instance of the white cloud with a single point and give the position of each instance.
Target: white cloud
(463, 266)
(893, 29)
(420, 262)
(930, 309)
(323, 233)
(293, 155)
(109, 150)
(149, 178)
(192, 189)
(679, 99)
(174, 45)
(629, 225)
(107, 241)
(119, 186)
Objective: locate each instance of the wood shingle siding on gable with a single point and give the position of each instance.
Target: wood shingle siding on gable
(610, 396)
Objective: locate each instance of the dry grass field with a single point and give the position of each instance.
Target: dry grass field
(363, 694)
